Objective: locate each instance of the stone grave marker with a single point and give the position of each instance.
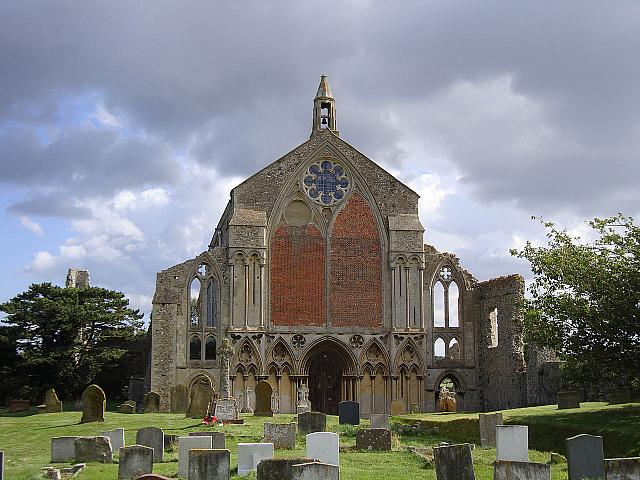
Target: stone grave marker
(315, 471)
(151, 402)
(63, 449)
(185, 445)
(179, 399)
(453, 462)
(569, 399)
(127, 407)
(93, 449)
(311, 422)
(209, 464)
(379, 420)
(53, 405)
(415, 408)
(585, 457)
(398, 408)
(622, 468)
(152, 437)
(200, 401)
(94, 402)
(324, 447)
(226, 409)
(282, 435)
(303, 404)
(504, 470)
(134, 461)
(619, 395)
(375, 439)
(488, 423)
(251, 454)
(218, 441)
(153, 476)
(116, 437)
(349, 413)
(278, 468)
(263, 399)
(512, 443)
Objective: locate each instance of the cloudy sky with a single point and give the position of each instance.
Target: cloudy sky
(123, 125)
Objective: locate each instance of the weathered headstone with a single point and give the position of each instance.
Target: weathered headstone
(226, 409)
(116, 437)
(179, 399)
(263, 399)
(53, 405)
(349, 413)
(504, 470)
(246, 408)
(201, 396)
(185, 445)
(93, 449)
(63, 449)
(619, 395)
(375, 439)
(622, 468)
(303, 404)
(488, 423)
(134, 461)
(512, 443)
(282, 435)
(136, 389)
(209, 464)
(398, 407)
(127, 407)
(311, 422)
(251, 454)
(453, 462)
(152, 437)
(218, 441)
(379, 420)
(569, 399)
(585, 457)
(152, 402)
(315, 471)
(324, 447)
(278, 468)
(94, 402)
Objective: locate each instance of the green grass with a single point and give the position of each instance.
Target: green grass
(26, 439)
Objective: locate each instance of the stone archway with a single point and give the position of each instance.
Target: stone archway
(449, 394)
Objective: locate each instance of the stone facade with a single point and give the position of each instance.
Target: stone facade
(318, 274)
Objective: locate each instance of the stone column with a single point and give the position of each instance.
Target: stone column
(246, 294)
(421, 270)
(394, 312)
(407, 297)
(232, 281)
(225, 353)
(262, 295)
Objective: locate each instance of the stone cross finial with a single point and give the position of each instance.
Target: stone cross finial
(225, 352)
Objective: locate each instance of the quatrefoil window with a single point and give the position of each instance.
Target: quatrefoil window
(325, 182)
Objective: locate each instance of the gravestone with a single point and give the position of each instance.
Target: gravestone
(488, 423)
(63, 449)
(398, 407)
(127, 407)
(503, 470)
(375, 439)
(116, 437)
(585, 457)
(324, 447)
(379, 420)
(263, 399)
(152, 437)
(453, 462)
(278, 468)
(569, 399)
(201, 396)
(226, 409)
(315, 471)
(209, 464)
(134, 461)
(512, 443)
(311, 422)
(251, 454)
(415, 408)
(94, 402)
(349, 413)
(218, 441)
(93, 449)
(152, 402)
(153, 476)
(246, 408)
(179, 399)
(185, 445)
(622, 468)
(282, 435)
(53, 405)
(619, 395)
(303, 404)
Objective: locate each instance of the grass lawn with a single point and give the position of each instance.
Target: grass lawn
(25, 439)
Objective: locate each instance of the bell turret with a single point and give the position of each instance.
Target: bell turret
(324, 108)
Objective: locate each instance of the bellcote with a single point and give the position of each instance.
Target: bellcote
(324, 108)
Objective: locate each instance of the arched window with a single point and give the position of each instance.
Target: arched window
(194, 303)
(438, 305)
(454, 349)
(453, 305)
(212, 302)
(195, 348)
(210, 349)
(439, 348)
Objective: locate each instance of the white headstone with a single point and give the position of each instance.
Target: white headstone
(63, 449)
(185, 444)
(324, 447)
(251, 454)
(512, 443)
(117, 438)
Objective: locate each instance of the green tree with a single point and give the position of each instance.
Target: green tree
(67, 336)
(584, 301)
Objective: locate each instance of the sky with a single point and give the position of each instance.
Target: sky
(124, 125)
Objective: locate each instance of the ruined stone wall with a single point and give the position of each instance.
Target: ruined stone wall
(543, 375)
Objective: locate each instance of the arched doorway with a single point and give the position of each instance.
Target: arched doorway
(326, 368)
(448, 395)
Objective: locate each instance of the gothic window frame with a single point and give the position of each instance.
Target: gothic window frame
(447, 274)
(192, 339)
(210, 285)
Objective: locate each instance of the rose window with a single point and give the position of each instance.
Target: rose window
(325, 182)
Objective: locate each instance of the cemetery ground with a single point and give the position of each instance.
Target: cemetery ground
(25, 438)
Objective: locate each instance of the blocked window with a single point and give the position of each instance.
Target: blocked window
(195, 348)
(439, 348)
(438, 305)
(493, 325)
(210, 349)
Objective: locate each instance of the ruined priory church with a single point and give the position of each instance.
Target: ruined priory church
(318, 274)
